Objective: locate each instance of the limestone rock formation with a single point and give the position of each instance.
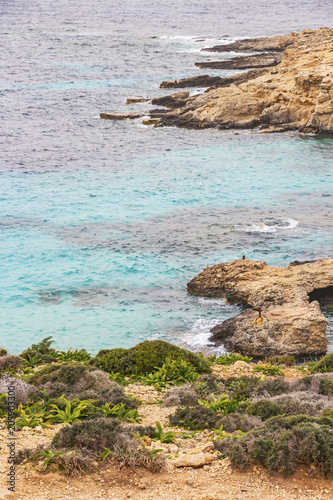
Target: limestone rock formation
(285, 318)
(244, 62)
(297, 94)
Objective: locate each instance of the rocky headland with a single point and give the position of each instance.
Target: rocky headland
(285, 317)
(288, 86)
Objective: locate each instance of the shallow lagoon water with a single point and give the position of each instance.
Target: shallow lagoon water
(103, 223)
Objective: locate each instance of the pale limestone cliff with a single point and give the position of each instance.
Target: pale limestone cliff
(296, 94)
(291, 320)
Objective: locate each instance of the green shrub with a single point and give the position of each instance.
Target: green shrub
(241, 388)
(195, 418)
(183, 395)
(10, 362)
(280, 360)
(206, 384)
(274, 387)
(326, 386)
(68, 374)
(264, 409)
(239, 422)
(164, 437)
(223, 405)
(38, 357)
(282, 443)
(324, 365)
(42, 350)
(231, 358)
(268, 370)
(145, 358)
(172, 372)
(108, 434)
(3, 351)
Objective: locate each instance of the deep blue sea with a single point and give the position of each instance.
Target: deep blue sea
(103, 223)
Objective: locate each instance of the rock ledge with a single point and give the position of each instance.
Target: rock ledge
(283, 320)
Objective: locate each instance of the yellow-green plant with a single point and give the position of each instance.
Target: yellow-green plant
(164, 437)
(223, 404)
(172, 372)
(26, 418)
(68, 415)
(268, 370)
(120, 411)
(49, 456)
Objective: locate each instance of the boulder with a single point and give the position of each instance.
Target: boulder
(194, 460)
(285, 318)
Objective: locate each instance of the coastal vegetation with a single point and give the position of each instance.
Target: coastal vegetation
(254, 416)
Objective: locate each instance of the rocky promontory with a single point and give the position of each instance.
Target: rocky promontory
(294, 94)
(284, 318)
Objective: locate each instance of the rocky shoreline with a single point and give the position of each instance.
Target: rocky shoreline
(285, 317)
(289, 86)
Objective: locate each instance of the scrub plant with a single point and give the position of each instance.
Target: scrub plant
(164, 437)
(172, 372)
(230, 359)
(120, 411)
(66, 416)
(223, 404)
(26, 418)
(268, 370)
(49, 456)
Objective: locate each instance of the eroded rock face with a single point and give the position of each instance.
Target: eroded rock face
(290, 323)
(297, 94)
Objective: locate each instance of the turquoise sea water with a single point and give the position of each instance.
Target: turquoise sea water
(103, 223)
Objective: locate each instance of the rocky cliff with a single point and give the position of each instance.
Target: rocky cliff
(285, 318)
(294, 94)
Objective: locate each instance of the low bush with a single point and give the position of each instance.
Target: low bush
(326, 386)
(268, 370)
(295, 403)
(172, 372)
(43, 351)
(207, 383)
(77, 381)
(264, 409)
(240, 422)
(99, 435)
(10, 362)
(231, 358)
(145, 358)
(183, 395)
(280, 360)
(324, 365)
(282, 443)
(3, 351)
(241, 388)
(272, 387)
(195, 418)
(22, 389)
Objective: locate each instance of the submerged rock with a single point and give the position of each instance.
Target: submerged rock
(284, 321)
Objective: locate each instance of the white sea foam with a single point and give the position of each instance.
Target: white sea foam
(269, 226)
(197, 338)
